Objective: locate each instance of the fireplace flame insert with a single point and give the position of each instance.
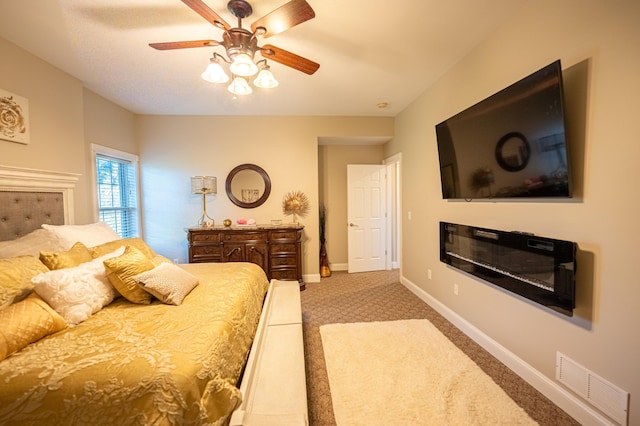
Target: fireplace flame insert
(540, 269)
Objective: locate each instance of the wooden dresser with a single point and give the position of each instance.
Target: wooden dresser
(276, 249)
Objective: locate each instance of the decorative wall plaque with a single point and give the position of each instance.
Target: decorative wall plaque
(14, 117)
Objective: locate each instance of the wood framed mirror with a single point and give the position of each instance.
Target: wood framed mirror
(248, 186)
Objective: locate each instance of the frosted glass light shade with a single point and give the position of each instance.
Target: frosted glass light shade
(265, 79)
(204, 185)
(214, 73)
(243, 65)
(239, 86)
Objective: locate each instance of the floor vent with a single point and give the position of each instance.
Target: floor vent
(608, 398)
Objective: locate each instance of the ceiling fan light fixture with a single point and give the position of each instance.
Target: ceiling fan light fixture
(265, 78)
(241, 45)
(239, 86)
(214, 73)
(243, 65)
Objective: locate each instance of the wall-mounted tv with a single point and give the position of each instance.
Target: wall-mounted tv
(511, 144)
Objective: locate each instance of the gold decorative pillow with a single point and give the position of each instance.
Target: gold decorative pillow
(25, 322)
(76, 255)
(121, 270)
(159, 259)
(15, 278)
(168, 282)
(136, 242)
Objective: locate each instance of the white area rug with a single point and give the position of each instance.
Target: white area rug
(408, 373)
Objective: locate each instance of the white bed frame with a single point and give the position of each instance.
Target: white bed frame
(274, 382)
(274, 386)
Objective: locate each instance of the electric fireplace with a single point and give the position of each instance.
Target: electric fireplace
(540, 269)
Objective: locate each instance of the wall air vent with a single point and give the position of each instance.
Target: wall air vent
(608, 398)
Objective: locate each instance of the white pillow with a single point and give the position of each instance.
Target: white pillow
(90, 235)
(168, 282)
(31, 244)
(79, 292)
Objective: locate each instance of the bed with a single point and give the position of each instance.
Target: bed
(226, 349)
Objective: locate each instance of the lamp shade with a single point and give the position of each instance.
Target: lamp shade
(214, 73)
(204, 185)
(265, 79)
(243, 65)
(239, 86)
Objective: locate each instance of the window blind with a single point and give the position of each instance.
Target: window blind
(118, 194)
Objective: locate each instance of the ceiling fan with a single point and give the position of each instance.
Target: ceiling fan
(241, 45)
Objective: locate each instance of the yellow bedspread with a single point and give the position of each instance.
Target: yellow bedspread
(142, 364)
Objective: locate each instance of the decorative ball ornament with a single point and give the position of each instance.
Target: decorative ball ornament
(227, 222)
(295, 203)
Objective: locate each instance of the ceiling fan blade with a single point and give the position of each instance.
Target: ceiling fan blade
(286, 16)
(184, 44)
(289, 59)
(207, 13)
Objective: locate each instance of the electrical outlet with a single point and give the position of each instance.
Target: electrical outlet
(409, 215)
(455, 289)
(429, 273)
(176, 261)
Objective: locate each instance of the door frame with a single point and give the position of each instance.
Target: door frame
(394, 207)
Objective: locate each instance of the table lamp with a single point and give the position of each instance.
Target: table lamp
(204, 185)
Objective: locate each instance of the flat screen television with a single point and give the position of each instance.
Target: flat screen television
(511, 144)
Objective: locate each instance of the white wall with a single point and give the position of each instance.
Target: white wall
(65, 118)
(598, 43)
(173, 148)
(55, 117)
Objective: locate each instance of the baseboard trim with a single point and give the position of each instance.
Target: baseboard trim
(311, 278)
(571, 404)
(339, 266)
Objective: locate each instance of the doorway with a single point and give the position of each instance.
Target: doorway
(374, 216)
(332, 179)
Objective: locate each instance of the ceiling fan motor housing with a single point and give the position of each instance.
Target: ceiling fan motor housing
(239, 40)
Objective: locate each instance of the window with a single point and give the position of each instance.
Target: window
(117, 190)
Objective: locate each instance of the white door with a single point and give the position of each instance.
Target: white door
(366, 217)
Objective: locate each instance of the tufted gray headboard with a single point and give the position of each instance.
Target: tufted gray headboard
(29, 198)
(23, 212)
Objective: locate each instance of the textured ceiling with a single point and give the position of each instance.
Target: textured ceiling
(369, 51)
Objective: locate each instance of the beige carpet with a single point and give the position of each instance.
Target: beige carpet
(408, 372)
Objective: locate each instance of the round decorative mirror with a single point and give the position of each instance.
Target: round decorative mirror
(248, 186)
(513, 152)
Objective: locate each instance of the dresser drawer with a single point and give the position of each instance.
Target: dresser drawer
(204, 253)
(204, 237)
(233, 237)
(283, 248)
(283, 261)
(285, 235)
(206, 250)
